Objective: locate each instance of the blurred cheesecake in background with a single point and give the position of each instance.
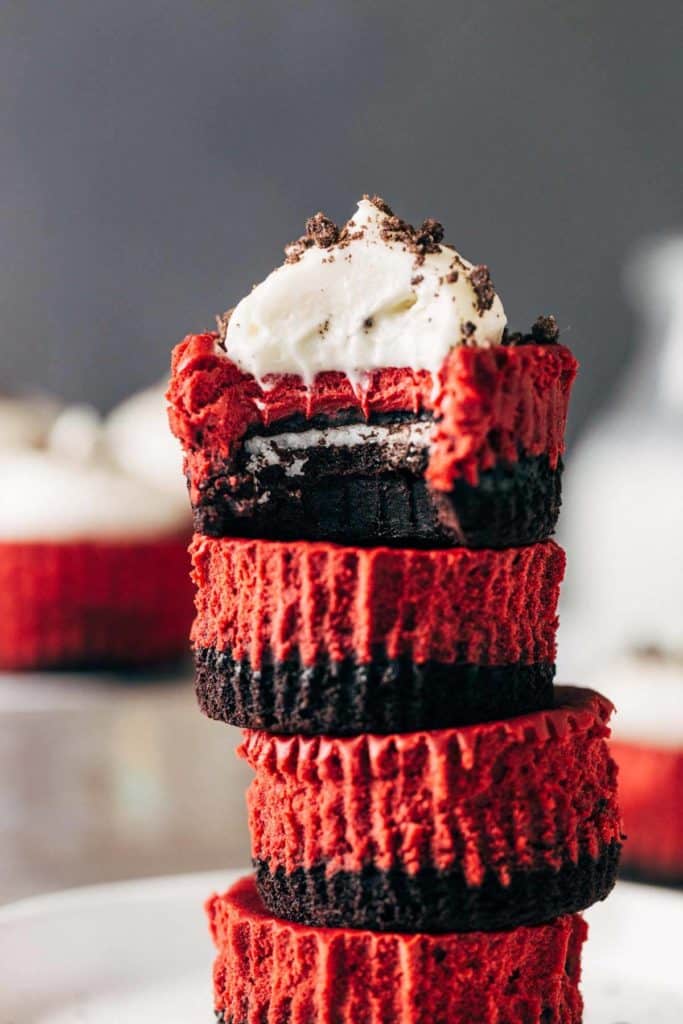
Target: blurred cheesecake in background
(139, 442)
(93, 562)
(622, 611)
(25, 420)
(647, 743)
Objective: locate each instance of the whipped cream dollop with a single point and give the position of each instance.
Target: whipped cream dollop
(76, 434)
(139, 442)
(25, 422)
(377, 293)
(46, 496)
(95, 480)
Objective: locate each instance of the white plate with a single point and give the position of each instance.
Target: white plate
(139, 952)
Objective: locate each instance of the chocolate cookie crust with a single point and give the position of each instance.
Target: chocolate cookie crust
(345, 698)
(352, 495)
(435, 901)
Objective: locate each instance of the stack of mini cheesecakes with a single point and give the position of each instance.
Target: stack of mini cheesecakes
(374, 467)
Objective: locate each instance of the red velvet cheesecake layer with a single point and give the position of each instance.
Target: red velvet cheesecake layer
(651, 798)
(272, 599)
(93, 603)
(522, 794)
(489, 404)
(271, 971)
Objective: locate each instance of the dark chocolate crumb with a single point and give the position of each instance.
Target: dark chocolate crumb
(420, 241)
(545, 330)
(396, 230)
(512, 338)
(469, 328)
(368, 323)
(483, 287)
(322, 230)
(380, 204)
(430, 234)
(427, 239)
(417, 279)
(295, 250)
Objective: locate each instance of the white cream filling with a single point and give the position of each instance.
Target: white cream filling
(401, 438)
(359, 307)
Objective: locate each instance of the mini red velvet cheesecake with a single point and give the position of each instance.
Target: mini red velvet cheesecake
(93, 567)
(315, 638)
(367, 392)
(648, 747)
(108, 603)
(272, 971)
(483, 827)
(651, 797)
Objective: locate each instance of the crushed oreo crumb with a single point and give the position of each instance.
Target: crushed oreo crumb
(421, 241)
(430, 234)
(322, 230)
(483, 287)
(544, 331)
(511, 338)
(396, 230)
(380, 203)
(368, 323)
(295, 250)
(469, 331)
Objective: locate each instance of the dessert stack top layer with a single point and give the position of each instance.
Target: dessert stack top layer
(374, 293)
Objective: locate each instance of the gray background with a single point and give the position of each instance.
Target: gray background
(156, 154)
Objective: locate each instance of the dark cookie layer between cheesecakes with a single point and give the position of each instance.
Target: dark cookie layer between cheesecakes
(433, 900)
(497, 415)
(374, 492)
(384, 696)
